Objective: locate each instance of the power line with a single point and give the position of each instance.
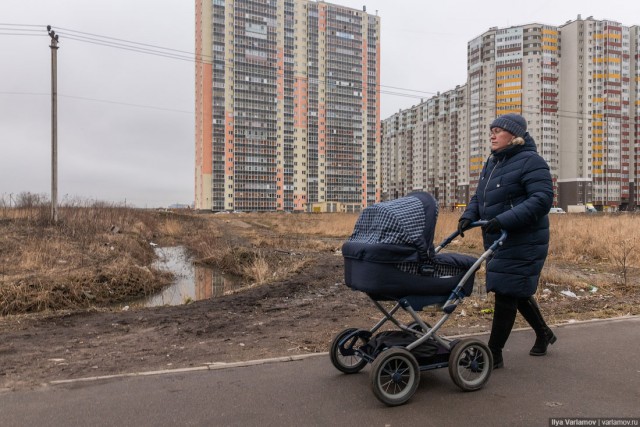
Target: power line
(134, 48)
(129, 48)
(106, 101)
(156, 50)
(160, 51)
(40, 27)
(2, 33)
(21, 30)
(127, 104)
(128, 41)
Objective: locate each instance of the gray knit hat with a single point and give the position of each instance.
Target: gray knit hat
(512, 123)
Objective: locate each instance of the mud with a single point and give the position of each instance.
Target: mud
(296, 316)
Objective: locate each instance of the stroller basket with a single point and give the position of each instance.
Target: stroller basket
(391, 255)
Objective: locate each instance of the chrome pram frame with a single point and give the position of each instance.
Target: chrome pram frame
(395, 371)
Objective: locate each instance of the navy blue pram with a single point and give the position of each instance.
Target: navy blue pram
(390, 256)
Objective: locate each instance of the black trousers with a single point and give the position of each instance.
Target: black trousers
(504, 316)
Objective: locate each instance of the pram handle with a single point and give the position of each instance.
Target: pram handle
(456, 294)
(474, 224)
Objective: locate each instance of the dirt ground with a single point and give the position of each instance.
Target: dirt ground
(299, 315)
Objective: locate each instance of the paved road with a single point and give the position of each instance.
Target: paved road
(592, 371)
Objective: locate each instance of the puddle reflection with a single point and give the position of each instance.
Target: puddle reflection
(191, 283)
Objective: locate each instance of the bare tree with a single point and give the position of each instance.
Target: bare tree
(622, 256)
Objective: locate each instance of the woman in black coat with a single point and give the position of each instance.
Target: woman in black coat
(514, 193)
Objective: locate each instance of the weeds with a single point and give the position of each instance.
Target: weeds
(622, 254)
(95, 255)
(98, 254)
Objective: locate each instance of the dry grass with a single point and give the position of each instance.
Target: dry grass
(575, 238)
(258, 270)
(99, 254)
(171, 227)
(95, 255)
(321, 225)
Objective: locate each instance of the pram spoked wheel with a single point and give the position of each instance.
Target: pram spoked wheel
(470, 364)
(343, 356)
(395, 376)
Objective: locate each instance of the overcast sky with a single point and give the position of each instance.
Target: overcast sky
(125, 118)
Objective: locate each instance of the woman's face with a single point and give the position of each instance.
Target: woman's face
(500, 139)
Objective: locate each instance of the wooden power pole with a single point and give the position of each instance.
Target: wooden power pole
(54, 124)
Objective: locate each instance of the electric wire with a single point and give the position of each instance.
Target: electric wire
(160, 51)
(156, 50)
(106, 101)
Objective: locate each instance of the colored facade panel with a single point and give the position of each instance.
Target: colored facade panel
(602, 64)
(292, 117)
(203, 110)
(586, 128)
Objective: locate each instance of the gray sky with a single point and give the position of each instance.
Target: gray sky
(125, 118)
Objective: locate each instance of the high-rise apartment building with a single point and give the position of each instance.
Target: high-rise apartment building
(287, 106)
(425, 149)
(439, 149)
(634, 185)
(578, 85)
(397, 154)
(598, 105)
(514, 70)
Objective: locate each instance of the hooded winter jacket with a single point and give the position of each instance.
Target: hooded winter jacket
(515, 187)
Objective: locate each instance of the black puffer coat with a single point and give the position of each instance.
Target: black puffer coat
(515, 187)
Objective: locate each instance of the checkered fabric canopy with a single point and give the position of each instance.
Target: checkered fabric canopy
(408, 221)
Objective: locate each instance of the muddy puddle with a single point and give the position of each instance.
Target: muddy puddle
(191, 283)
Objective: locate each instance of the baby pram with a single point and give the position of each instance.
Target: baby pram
(390, 257)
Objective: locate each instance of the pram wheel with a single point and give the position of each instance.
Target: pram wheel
(395, 376)
(470, 364)
(343, 356)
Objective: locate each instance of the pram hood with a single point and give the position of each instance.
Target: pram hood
(396, 231)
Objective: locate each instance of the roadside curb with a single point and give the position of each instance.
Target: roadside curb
(556, 325)
(213, 366)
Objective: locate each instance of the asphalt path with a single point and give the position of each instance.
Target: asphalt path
(589, 377)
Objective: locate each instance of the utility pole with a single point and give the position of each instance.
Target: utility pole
(54, 124)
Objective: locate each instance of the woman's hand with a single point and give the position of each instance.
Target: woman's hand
(463, 224)
(492, 226)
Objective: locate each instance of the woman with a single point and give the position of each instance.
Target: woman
(514, 193)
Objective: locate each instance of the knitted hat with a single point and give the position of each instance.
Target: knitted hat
(512, 123)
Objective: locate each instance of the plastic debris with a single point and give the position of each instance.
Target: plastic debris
(486, 311)
(593, 289)
(569, 294)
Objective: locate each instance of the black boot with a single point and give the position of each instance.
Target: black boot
(504, 315)
(497, 358)
(544, 335)
(542, 342)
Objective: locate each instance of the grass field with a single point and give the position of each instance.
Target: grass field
(99, 254)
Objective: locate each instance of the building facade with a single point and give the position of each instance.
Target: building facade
(397, 154)
(598, 132)
(578, 87)
(514, 70)
(287, 106)
(425, 148)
